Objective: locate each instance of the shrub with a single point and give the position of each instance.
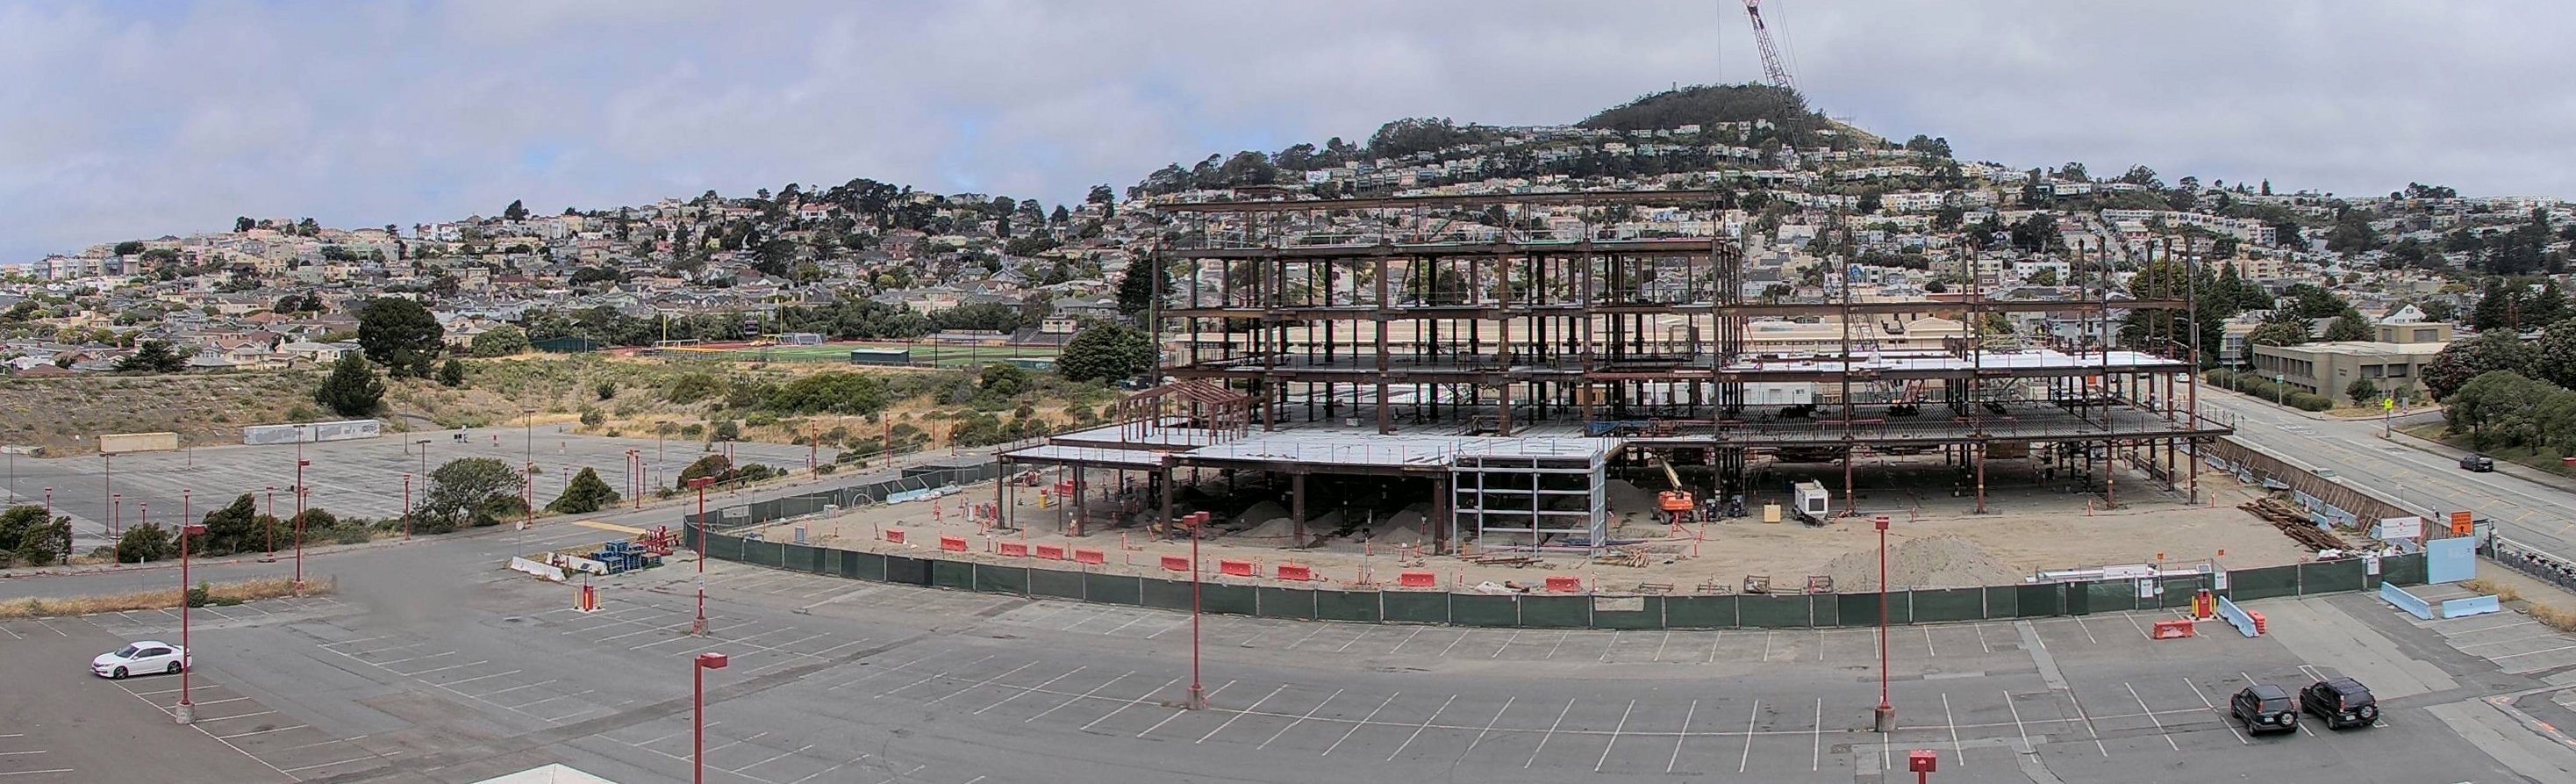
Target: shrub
(606, 390)
(199, 594)
(585, 494)
(727, 430)
(143, 543)
(593, 417)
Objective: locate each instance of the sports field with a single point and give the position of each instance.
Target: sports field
(923, 354)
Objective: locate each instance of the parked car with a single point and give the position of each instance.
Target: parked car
(141, 656)
(2342, 702)
(2479, 463)
(2263, 708)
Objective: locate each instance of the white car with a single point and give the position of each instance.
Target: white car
(141, 656)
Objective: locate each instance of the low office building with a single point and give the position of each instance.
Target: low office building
(2330, 368)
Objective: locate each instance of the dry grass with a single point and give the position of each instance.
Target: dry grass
(2551, 617)
(217, 593)
(2502, 592)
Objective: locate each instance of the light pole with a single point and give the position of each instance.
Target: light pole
(1198, 697)
(115, 509)
(184, 509)
(699, 627)
(67, 529)
(635, 476)
(1886, 711)
(269, 528)
(110, 489)
(698, 712)
(187, 711)
(300, 492)
(406, 507)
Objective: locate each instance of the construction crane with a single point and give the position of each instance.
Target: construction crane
(1772, 67)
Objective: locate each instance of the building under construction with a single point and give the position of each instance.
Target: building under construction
(1512, 370)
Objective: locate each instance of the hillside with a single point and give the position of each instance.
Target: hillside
(1713, 104)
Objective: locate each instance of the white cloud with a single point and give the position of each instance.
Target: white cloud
(143, 119)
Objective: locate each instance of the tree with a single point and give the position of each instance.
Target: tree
(1106, 352)
(1101, 194)
(2361, 391)
(2463, 360)
(1138, 286)
(516, 211)
(470, 491)
(712, 466)
(352, 389)
(501, 341)
(29, 538)
(2349, 326)
(233, 528)
(401, 335)
(244, 223)
(143, 543)
(2046, 276)
(452, 374)
(2554, 360)
(1868, 203)
(2277, 333)
(152, 356)
(585, 494)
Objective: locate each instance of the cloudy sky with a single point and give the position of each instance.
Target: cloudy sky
(135, 118)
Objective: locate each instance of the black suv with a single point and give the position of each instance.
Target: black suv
(2264, 708)
(2342, 702)
(2478, 463)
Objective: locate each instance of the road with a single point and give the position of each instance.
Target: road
(2536, 513)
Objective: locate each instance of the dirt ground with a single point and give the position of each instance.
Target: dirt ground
(1934, 541)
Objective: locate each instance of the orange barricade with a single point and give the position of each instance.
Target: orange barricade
(1015, 549)
(955, 544)
(1090, 556)
(894, 535)
(1051, 552)
(1558, 583)
(1236, 568)
(1417, 579)
(1176, 563)
(1295, 572)
(2168, 630)
(2259, 628)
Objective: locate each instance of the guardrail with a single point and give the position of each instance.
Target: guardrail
(2529, 560)
(1304, 601)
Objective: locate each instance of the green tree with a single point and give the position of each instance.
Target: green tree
(401, 335)
(452, 373)
(29, 538)
(2277, 333)
(1137, 286)
(586, 494)
(152, 356)
(2361, 391)
(1106, 352)
(712, 466)
(2349, 326)
(234, 528)
(501, 341)
(516, 211)
(2554, 359)
(470, 491)
(143, 543)
(352, 389)
(2046, 276)
(1003, 380)
(2463, 360)
(129, 247)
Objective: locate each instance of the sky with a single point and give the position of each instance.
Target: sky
(130, 119)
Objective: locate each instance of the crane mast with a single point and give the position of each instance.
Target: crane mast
(1772, 68)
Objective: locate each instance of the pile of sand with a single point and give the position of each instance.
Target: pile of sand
(1260, 513)
(1941, 561)
(1408, 519)
(1624, 496)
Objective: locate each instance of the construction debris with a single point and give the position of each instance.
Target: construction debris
(2294, 522)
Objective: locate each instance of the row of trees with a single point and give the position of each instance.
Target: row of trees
(2505, 409)
(2552, 359)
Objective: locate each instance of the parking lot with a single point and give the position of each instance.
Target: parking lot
(838, 680)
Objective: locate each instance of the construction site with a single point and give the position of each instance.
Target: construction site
(1547, 397)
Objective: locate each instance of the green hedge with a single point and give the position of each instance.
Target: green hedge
(2257, 385)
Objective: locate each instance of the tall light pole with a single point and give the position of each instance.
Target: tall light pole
(698, 711)
(1198, 697)
(300, 492)
(110, 490)
(1886, 711)
(406, 507)
(67, 529)
(269, 528)
(699, 627)
(115, 509)
(187, 711)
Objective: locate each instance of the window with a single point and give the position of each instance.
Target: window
(2424, 336)
(2397, 370)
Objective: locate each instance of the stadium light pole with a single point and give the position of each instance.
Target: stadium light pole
(1886, 711)
(698, 711)
(115, 509)
(699, 627)
(300, 492)
(187, 711)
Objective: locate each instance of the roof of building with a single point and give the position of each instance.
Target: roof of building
(2360, 348)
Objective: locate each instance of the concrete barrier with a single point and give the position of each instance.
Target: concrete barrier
(2474, 605)
(314, 432)
(2412, 604)
(2236, 616)
(121, 443)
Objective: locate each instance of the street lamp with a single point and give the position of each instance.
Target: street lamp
(115, 509)
(698, 711)
(1886, 711)
(699, 627)
(110, 489)
(1198, 697)
(406, 507)
(187, 711)
(269, 527)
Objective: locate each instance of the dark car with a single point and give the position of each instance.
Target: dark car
(2264, 708)
(2480, 463)
(2342, 702)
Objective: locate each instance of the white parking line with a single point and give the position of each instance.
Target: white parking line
(1507, 642)
(1747, 759)
(1363, 722)
(259, 732)
(1480, 734)
(1230, 720)
(1659, 645)
(444, 669)
(1956, 748)
(779, 756)
(1310, 713)
(1310, 634)
(933, 676)
(1981, 637)
(1132, 703)
(1605, 650)
(1426, 724)
(2223, 719)
(1364, 633)
(2088, 630)
(1681, 737)
(1079, 697)
(1177, 714)
(1614, 737)
(1444, 652)
(1399, 644)
(985, 682)
(1815, 739)
(1551, 732)
(1025, 692)
(202, 720)
(2151, 715)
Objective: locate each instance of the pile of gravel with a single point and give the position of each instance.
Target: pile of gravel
(1940, 561)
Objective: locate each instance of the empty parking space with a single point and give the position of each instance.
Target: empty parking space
(23, 759)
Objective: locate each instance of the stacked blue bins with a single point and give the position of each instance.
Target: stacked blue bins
(623, 556)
